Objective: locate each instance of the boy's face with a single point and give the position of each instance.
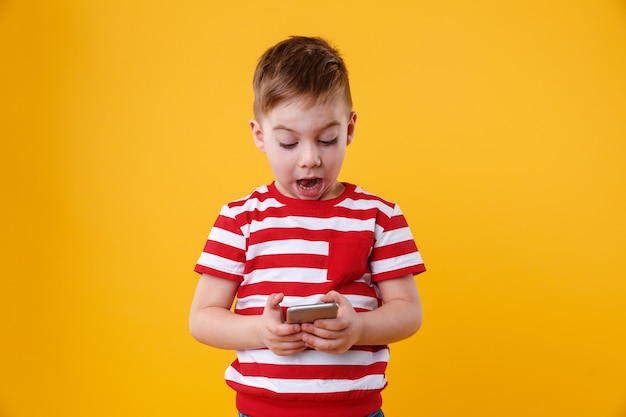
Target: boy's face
(305, 145)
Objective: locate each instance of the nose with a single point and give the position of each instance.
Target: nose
(310, 156)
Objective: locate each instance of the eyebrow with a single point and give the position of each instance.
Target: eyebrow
(282, 127)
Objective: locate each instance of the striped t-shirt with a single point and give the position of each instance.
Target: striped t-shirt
(271, 243)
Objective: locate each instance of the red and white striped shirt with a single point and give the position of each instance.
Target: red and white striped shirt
(271, 243)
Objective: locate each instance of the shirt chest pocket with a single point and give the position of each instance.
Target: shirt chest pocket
(348, 256)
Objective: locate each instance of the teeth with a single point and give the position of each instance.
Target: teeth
(308, 184)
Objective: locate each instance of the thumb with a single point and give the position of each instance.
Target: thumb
(274, 300)
(332, 296)
(272, 306)
(336, 297)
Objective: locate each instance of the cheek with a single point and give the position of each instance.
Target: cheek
(280, 163)
(334, 157)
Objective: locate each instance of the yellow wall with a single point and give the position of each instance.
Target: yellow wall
(499, 126)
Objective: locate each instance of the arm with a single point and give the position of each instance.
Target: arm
(213, 323)
(399, 317)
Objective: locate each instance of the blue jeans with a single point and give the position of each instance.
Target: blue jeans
(378, 413)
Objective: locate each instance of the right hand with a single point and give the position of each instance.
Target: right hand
(281, 338)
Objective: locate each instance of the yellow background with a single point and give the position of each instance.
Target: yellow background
(498, 126)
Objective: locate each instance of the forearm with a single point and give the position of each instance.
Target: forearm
(223, 329)
(393, 321)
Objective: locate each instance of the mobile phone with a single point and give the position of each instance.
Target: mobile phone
(310, 312)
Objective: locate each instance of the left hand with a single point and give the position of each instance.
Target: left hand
(334, 335)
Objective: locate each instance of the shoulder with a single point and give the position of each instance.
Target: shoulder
(359, 199)
(262, 197)
(259, 193)
(241, 213)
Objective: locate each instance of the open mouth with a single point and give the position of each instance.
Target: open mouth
(308, 184)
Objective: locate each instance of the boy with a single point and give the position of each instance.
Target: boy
(306, 238)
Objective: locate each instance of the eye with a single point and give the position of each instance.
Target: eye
(328, 142)
(287, 145)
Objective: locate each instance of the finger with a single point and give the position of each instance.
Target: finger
(331, 296)
(322, 333)
(323, 327)
(274, 300)
(283, 347)
(288, 332)
(272, 307)
(288, 352)
(289, 345)
(341, 300)
(282, 332)
(319, 343)
(334, 325)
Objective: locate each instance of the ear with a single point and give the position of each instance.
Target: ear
(351, 126)
(257, 135)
